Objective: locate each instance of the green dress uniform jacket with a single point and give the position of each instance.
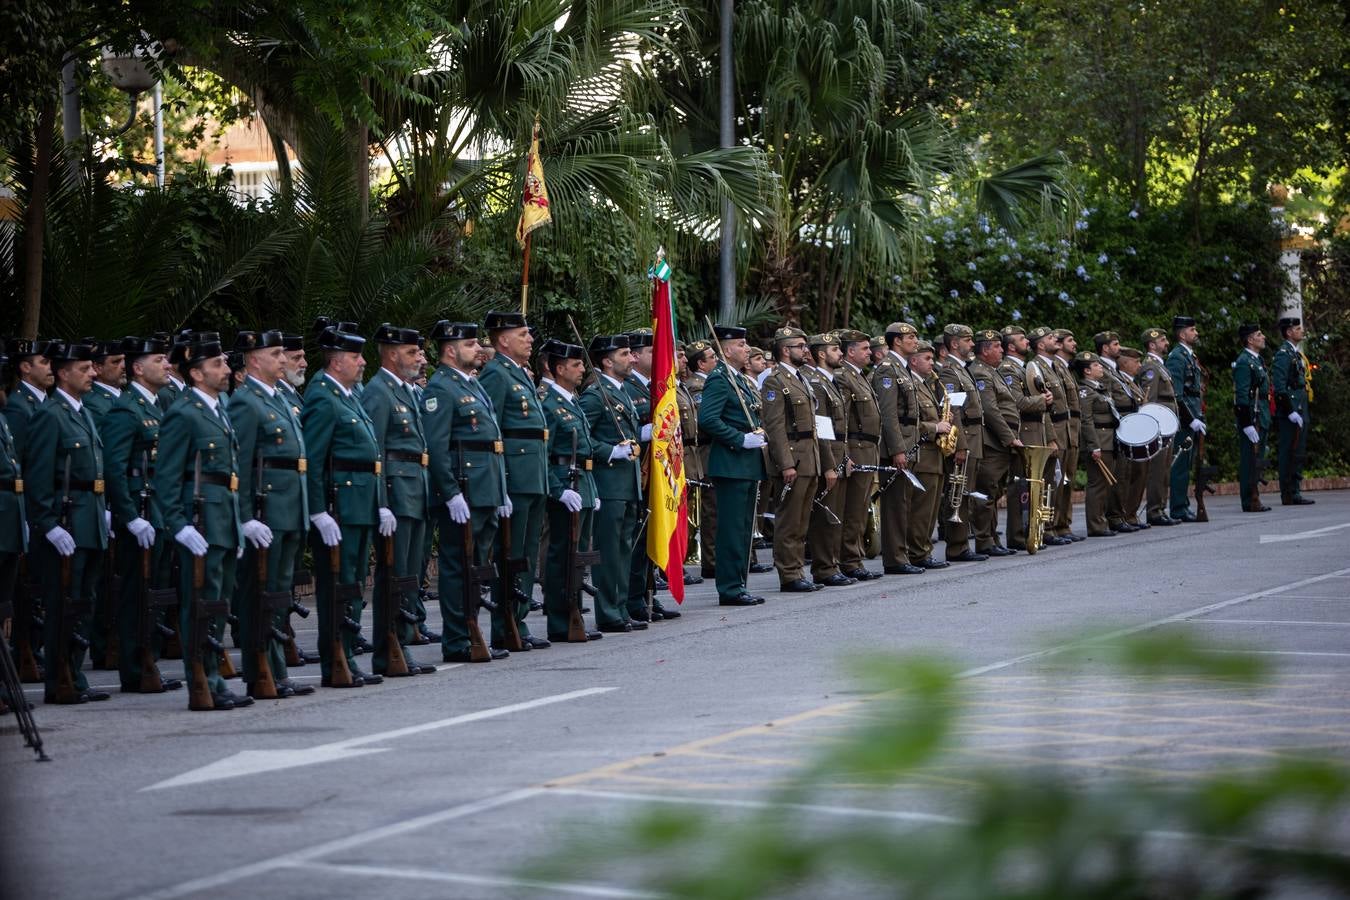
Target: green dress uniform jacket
(100, 399)
(1188, 377)
(169, 394)
(566, 422)
(13, 519)
(1290, 381)
(22, 404)
(613, 419)
(735, 470)
(1251, 407)
(707, 514)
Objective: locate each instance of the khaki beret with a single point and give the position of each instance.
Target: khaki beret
(924, 346)
(1102, 338)
(956, 330)
(827, 339)
(787, 333)
(1152, 334)
(1131, 353)
(850, 335)
(1012, 330)
(877, 342)
(900, 328)
(1062, 333)
(1039, 332)
(987, 334)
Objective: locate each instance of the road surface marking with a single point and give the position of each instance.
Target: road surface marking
(1270, 622)
(832, 810)
(1282, 653)
(559, 887)
(1302, 535)
(252, 762)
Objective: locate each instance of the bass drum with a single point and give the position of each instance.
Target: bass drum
(1139, 437)
(1168, 423)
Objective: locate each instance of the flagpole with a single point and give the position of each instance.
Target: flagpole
(525, 279)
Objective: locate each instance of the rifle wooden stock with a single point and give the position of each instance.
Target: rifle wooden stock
(507, 569)
(339, 673)
(66, 692)
(29, 670)
(113, 591)
(396, 665)
(199, 690)
(473, 581)
(151, 683)
(264, 685)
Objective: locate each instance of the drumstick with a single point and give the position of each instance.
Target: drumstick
(1106, 471)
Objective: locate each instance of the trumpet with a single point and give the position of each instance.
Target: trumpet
(956, 492)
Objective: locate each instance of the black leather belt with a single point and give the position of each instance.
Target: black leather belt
(526, 434)
(1107, 424)
(356, 465)
(299, 464)
(408, 456)
(1075, 414)
(567, 461)
(971, 420)
(1032, 417)
(693, 442)
(79, 485)
(908, 420)
(220, 479)
(11, 485)
(484, 446)
(865, 438)
(1059, 417)
(800, 435)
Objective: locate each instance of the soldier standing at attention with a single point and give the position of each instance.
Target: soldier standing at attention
(693, 465)
(1136, 479)
(175, 386)
(507, 381)
(615, 428)
(1251, 387)
(897, 404)
(13, 521)
(701, 361)
(1126, 397)
(1043, 375)
(969, 418)
(862, 437)
(1158, 387)
(110, 369)
(638, 387)
(197, 484)
(826, 531)
(1063, 360)
(1289, 376)
(1188, 377)
(729, 416)
(794, 454)
(1098, 445)
(928, 464)
(346, 493)
(465, 443)
(1001, 443)
(1033, 430)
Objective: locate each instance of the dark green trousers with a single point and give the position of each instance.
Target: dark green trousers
(353, 564)
(103, 625)
(615, 528)
(218, 584)
(1250, 466)
(1181, 462)
(527, 521)
(281, 556)
(409, 539)
(639, 567)
(450, 584)
(735, 522)
(1292, 446)
(129, 604)
(556, 602)
(85, 572)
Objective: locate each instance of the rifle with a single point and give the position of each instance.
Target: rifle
(475, 576)
(395, 586)
(303, 578)
(151, 598)
(26, 623)
(9, 676)
(1203, 476)
(604, 393)
(66, 692)
(265, 605)
(507, 568)
(112, 588)
(576, 560)
(200, 638)
(340, 674)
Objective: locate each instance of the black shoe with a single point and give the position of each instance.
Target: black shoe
(1162, 521)
(761, 544)
(967, 555)
(463, 656)
(1106, 533)
(693, 579)
(931, 563)
(640, 616)
(708, 572)
(1124, 528)
(660, 582)
(1016, 546)
(432, 636)
(95, 696)
(327, 681)
(1076, 538)
(78, 697)
(536, 605)
(863, 575)
(839, 579)
(367, 677)
(1187, 516)
(1142, 526)
(299, 690)
(616, 628)
(666, 613)
(562, 638)
(799, 586)
(231, 700)
(742, 600)
(638, 626)
(1261, 508)
(998, 551)
(1055, 540)
(760, 568)
(537, 643)
(1298, 501)
(905, 569)
(498, 645)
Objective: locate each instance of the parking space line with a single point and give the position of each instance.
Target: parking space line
(831, 810)
(413, 874)
(1271, 622)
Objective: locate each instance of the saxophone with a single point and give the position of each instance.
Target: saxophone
(947, 442)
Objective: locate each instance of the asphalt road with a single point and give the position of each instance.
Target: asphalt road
(448, 785)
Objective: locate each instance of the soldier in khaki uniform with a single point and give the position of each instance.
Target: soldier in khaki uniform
(1001, 442)
(1033, 425)
(862, 417)
(928, 463)
(1042, 376)
(826, 529)
(969, 419)
(1134, 479)
(1126, 397)
(895, 391)
(794, 455)
(1063, 360)
(1158, 388)
(1098, 427)
(702, 360)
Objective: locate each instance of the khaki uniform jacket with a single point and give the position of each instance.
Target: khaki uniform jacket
(684, 401)
(1000, 408)
(928, 406)
(861, 413)
(896, 392)
(1073, 399)
(830, 402)
(1156, 382)
(1099, 418)
(1041, 372)
(1124, 393)
(1032, 415)
(970, 417)
(790, 422)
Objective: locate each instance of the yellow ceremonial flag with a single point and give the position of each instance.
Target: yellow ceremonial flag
(534, 212)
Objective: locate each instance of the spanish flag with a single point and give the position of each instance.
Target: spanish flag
(534, 212)
(667, 528)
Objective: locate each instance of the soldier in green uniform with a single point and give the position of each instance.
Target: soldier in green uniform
(130, 434)
(1098, 443)
(895, 390)
(110, 369)
(1001, 443)
(1033, 425)
(201, 511)
(1188, 377)
(464, 442)
(638, 387)
(1063, 361)
(789, 413)
(172, 390)
(969, 419)
(1126, 398)
(615, 430)
(1289, 377)
(693, 464)
(520, 415)
(702, 360)
(13, 526)
(862, 436)
(729, 416)
(346, 494)
(109, 379)
(1251, 408)
(273, 501)
(397, 418)
(929, 461)
(570, 449)
(68, 511)
(826, 532)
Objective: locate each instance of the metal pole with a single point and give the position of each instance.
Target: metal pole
(71, 131)
(727, 292)
(159, 133)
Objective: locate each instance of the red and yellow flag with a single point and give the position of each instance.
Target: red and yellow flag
(667, 527)
(534, 210)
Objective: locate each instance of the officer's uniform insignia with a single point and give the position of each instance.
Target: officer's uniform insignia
(698, 398)
(1008, 380)
(886, 382)
(769, 395)
(431, 404)
(1082, 392)
(1148, 374)
(979, 385)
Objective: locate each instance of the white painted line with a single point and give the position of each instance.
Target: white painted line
(252, 762)
(560, 887)
(897, 815)
(351, 841)
(1270, 622)
(1148, 626)
(1302, 535)
(1281, 653)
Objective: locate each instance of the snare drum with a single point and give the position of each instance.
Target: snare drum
(1139, 437)
(1166, 419)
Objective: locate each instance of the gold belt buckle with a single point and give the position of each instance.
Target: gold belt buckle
(588, 465)
(426, 459)
(18, 485)
(302, 465)
(98, 485)
(377, 467)
(497, 447)
(545, 434)
(234, 483)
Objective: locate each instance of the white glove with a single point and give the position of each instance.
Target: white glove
(504, 511)
(258, 534)
(143, 531)
(1250, 432)
(1197, 426)
(621, 451)
(107, 522)
(239, 554)
(753, 441)
(1296, 419)
(388, 524)
(571, 500)
(329, 532)
(191, 539)
(459, 509)
(597, 505)
(646, 432)
(62, 541)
